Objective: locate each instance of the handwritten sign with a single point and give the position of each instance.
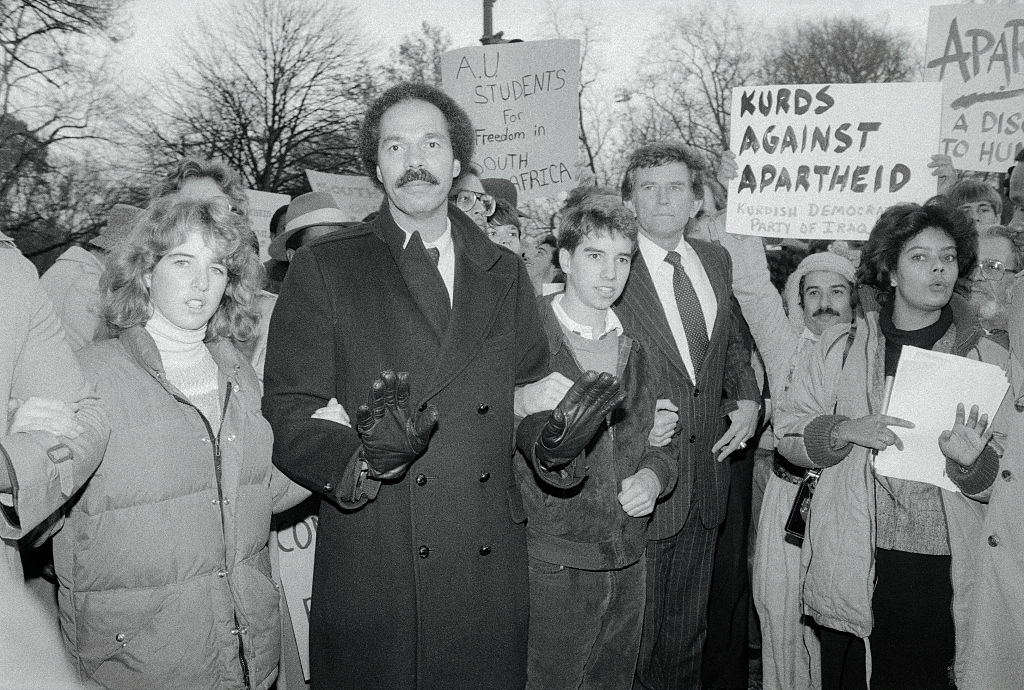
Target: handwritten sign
(296, 542)
(977, 52)
(523, 99)
(262, 206)
(355, 195)
(824, 161)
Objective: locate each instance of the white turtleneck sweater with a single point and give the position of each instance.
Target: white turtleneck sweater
(188, 364)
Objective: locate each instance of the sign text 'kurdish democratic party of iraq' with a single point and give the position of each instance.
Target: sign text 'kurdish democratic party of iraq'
(824, 160)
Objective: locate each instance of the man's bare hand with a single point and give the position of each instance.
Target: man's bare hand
(43, 414)
(666, 415)
(639, 493)
(542, 395)
(742, 425)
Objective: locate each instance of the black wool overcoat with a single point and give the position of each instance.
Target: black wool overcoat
(425, 586)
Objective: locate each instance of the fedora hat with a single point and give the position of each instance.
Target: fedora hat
(307, 210)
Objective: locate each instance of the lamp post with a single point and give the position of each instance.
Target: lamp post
(488, 17)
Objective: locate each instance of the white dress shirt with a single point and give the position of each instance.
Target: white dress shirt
(661, 274)
(446, 260)
(611, 321)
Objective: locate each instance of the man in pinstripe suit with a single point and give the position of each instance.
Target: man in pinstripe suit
(678, 302)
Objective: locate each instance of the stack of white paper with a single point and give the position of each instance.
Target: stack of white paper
(927, 387)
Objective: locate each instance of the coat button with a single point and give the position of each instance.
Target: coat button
(421, 479)
(483, 408)
(693, 438)
(696, 392)
(484, 550)
(1007, 475)
(328, 488)
(231, 437)
(423, 551)
(993, 540)
(423, 406)
(119, 637)
(485, 476)
(222, 573)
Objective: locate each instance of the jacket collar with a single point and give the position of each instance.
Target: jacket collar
(470, 241)
(142, 349)
(556, 338)
(961, 337)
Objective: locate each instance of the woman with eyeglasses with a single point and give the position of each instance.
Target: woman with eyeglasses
(883, 556)
(163, 563)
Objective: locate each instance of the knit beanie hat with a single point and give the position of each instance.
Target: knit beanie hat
(822, 261)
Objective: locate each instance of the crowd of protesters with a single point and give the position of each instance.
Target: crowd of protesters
(573, 460)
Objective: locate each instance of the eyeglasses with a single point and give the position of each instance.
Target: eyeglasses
(991, 269)
(467, 199)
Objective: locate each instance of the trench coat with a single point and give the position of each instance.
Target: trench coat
(425, 584)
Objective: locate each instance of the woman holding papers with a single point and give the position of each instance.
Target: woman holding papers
(881, 563)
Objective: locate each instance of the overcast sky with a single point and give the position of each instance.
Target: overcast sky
(626, 24)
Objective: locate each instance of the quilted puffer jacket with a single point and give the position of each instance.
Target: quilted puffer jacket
(163, 563)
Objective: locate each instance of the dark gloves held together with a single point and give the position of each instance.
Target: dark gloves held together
(577, 418)
(392, 437)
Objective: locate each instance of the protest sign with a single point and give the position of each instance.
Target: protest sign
(977, 53)
(823, 161)
(262, 206)
(355, 195)
(296, 542)
(523, 99)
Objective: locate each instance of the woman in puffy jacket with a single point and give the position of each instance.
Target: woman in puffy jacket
(883, 556)
(163, 564)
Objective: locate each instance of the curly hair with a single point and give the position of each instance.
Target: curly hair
(663, 153)
(899, 224)
(460, 128)
(197, 168)
(165, 224)
(596, 214)
(970, 191)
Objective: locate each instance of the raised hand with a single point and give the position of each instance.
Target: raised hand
(576, 419)
(965, 441)
(392, 437)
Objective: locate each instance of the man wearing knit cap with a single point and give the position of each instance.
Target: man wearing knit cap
(73, 282)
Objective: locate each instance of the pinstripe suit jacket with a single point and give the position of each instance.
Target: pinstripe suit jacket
(723, 378)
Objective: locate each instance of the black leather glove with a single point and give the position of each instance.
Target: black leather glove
(577, 418)
(392, 438)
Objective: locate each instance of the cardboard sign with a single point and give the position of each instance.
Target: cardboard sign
(823, 161)
(297, 548)
(262, 206)
(355, 195)
(977, 52)
(523, 99)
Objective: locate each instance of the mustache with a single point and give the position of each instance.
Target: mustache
(825, 311)
(416, 175)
